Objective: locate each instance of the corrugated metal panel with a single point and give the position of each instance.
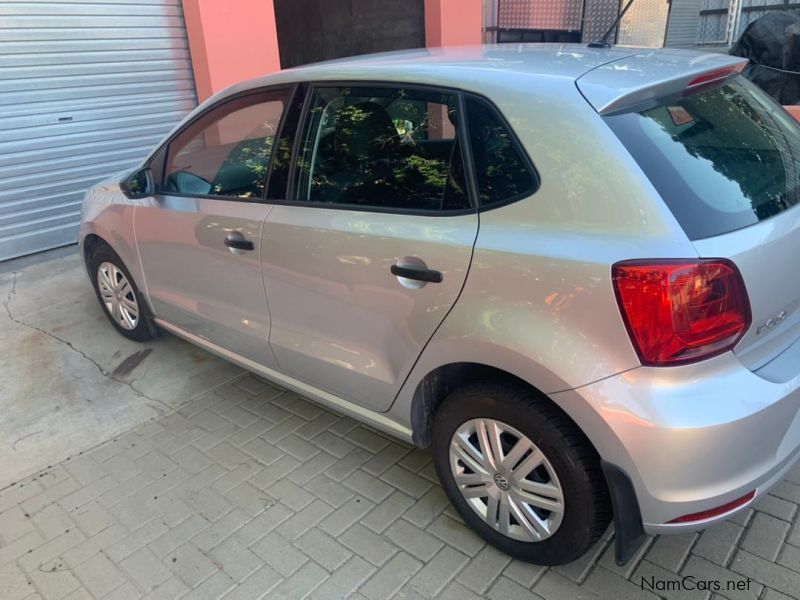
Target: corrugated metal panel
(598, 17)
(684, 16)
(86, 89)
(489, 21)
(712, 28)
(543, 14)
(645, 24)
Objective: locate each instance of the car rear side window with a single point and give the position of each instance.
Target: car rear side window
(391, 148)
(502, 171)
(722, 158)
(226, 151)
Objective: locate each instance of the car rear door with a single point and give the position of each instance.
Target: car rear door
(369, 242)
(199, 239)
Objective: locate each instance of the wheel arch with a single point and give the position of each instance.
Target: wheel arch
(439, 382)
(94, 239)
(451, 360)
(422, 397)
(90, 243)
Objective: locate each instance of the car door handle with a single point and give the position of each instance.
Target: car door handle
(237, 243)
(426, 275)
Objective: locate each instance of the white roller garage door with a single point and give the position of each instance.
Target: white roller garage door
(86, 89)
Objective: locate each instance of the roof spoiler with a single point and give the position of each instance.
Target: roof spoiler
(628, 81)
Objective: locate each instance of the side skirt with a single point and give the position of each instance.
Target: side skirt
(377, 420)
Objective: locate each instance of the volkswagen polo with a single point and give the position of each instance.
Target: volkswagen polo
(569, 271)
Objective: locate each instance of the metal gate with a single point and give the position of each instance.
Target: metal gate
(723, 21)
(86, 89)
(574, 21)
(532, 21)
(645, 24)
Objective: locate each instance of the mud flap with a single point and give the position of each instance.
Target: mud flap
(628, 529)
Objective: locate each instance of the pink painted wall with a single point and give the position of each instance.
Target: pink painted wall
(453, 22)
(234, 40)
(794, 111)
(230, 41)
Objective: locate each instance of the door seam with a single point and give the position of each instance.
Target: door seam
(447, 314)
(261, 248)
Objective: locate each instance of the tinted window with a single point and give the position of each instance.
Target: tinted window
(502, 172)
(382, 147)
(721, 158)
(226, 152)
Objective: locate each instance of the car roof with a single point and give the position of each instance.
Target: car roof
(564, 60)
(454, 66)
(481, 65)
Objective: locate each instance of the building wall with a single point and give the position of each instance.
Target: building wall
(230, 41)
(453, 22)
(236, 40)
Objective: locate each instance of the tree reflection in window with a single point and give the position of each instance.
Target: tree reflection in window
(226, 152)
(382, 147)
(502, 172)
(723, 156)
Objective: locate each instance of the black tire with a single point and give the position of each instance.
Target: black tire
(145, 328)
(587, 507)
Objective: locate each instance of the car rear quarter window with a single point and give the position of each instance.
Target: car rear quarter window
(722, 158)
(503, 172)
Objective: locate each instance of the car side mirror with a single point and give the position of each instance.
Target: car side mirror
(138, 184)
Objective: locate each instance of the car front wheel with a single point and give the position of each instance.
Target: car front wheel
(121, 300)
(520, 473)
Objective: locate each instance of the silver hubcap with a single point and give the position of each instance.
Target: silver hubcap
(506, 480)
(117, 295)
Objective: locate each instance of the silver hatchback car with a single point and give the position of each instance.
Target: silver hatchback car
(571, 272)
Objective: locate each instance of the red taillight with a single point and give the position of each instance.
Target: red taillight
(681, 311)
(716, 512)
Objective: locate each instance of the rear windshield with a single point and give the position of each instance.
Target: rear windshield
(722, 158)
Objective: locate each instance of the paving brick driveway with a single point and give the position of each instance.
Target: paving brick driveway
(248, 491)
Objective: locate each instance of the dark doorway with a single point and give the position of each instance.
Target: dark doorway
(314, 30)
(538, 35)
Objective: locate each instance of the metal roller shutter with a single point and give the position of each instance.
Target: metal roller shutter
(684, 16)
(86, 89)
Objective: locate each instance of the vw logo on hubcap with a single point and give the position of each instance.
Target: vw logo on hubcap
(506, 480)
(501, 481)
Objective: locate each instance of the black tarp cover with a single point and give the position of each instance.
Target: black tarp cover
(772, 43)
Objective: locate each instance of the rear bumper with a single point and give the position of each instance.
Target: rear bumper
(692, 438)
(773, 477)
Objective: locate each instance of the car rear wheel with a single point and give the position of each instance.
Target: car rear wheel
(520, 473)
(121, 300)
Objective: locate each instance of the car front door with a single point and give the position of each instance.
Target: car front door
(199, 239)
(371, 248)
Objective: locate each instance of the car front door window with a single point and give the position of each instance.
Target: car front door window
(226, 152)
